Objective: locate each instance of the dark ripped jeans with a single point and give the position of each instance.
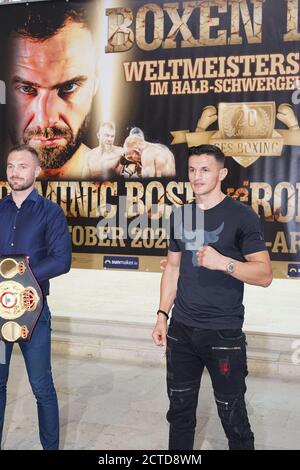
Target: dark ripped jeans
(223, 353)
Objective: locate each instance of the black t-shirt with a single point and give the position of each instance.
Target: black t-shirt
(212, 299)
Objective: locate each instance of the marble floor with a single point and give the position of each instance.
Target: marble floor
(112, 406)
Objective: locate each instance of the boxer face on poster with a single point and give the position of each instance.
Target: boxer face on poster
(106, 136)
(52, 85)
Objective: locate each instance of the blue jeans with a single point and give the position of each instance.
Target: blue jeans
(37, 356)
(223, 353)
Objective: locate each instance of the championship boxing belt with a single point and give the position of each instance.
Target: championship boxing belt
(21, 299)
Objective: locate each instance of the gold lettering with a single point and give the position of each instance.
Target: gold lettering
(158, 29)
(233, 70)
(155, 187)
(277, 67)
(107, 210)
(298, 203)
(290, 198)
(117, 237)
(292, 21)
(192, 69)
(78, 235)
(134, 203)
(280, 243)
(180, 24)
(91, 236)
(293, 59)
(207, 22)
(253, 29)
(120, 36)
(262, 200)
(158, 89)
(295, 242)
(261, 68)
(102, 233)
(175, 64)
(134, 71)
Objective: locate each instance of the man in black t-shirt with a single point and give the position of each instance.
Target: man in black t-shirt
(216, 245)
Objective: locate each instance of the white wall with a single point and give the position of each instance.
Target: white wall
(133, 296)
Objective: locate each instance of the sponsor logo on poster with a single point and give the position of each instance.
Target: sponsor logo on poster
(294, 270)
(121, 262)
(246, 130)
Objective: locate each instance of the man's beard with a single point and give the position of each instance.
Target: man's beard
(107, 148)
(15, 187)
(55, 157)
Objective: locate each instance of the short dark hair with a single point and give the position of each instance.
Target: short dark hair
(26, 148)
(41, 22)
(208, 150)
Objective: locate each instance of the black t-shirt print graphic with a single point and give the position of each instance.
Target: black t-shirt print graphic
(193, 239)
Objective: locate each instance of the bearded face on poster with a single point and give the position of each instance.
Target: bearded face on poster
(52, 82)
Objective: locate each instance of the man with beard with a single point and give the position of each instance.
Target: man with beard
(53, 80)
(102, 161)
(36, 227)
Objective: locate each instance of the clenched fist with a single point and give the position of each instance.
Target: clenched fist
(210, 258)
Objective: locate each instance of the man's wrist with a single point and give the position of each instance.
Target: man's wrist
(162, 313)
(223, 263)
